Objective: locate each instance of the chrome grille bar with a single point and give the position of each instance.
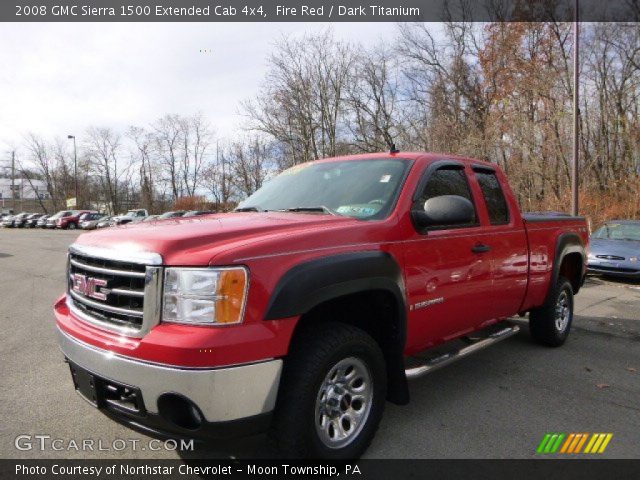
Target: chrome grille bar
(104, 306)
(127, 292)
(106, 271)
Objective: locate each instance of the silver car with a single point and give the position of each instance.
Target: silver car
(615, 249)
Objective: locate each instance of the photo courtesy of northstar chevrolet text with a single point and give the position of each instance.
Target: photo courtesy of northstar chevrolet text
(273, 238)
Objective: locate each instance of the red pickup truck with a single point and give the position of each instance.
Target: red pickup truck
(305, 309)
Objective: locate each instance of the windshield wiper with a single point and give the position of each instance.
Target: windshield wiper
(321, 208)
(249, 209)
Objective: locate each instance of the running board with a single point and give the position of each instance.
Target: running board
(450, 357)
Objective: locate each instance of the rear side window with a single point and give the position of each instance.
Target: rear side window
(447, 181)
(493, 197)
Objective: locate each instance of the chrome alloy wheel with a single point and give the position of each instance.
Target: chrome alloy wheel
(343, 402)
(563, 312)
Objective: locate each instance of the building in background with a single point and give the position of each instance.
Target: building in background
(23, 190)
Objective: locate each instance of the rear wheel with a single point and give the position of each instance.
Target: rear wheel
(551, 323)
(72, 226)
(331, 395)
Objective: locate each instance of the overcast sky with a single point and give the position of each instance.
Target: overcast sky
(57, 79)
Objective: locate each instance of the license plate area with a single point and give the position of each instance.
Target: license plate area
(107, 394)
(85, 384)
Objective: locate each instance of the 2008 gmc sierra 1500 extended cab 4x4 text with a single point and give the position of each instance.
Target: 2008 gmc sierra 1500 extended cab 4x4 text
(308, 307)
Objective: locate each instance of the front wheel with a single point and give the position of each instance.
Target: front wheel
(332, 394)
(551, 323)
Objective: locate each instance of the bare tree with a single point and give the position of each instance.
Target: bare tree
(302, 100)
(103, 145)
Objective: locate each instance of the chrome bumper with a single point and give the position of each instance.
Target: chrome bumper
(222, 394)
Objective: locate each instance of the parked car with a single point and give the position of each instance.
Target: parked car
(7, 221)
(304, 310)
(90, 220)
(131, 216)
(104, 222)
(53, 219)
(42, 221)
(32, 220)
(15, 221)
(615, 249)
(197, 213)
(151, 218)
(72, 221)
(172, 214)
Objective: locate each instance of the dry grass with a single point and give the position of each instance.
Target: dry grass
(620, 202)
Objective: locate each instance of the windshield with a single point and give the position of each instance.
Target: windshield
(619, 231)
(365, 189)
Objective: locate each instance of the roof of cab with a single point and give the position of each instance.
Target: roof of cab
(426, 157)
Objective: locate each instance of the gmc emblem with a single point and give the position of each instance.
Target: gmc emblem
(88, 286)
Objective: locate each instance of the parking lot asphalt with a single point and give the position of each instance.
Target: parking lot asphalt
(497, 403)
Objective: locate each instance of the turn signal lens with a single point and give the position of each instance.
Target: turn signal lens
(231, 291)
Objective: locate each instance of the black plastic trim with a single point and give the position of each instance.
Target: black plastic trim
(482, 168)
(312, 283)
(429, 171)
(566, 243)
(539, 218)
(157, 426)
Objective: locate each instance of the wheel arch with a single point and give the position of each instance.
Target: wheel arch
(364, 289)
(569, 261)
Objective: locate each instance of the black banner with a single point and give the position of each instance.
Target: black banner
(361, 469)
(317, 10)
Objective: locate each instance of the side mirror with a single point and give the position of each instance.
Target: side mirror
(445, 210)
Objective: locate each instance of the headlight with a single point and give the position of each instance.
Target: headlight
(633, 259)
(204, 296)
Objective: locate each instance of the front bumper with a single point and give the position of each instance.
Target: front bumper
(222, 395)
(618, 269)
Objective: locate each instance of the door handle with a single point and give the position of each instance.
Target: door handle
(480, 248)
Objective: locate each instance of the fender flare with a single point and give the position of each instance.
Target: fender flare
(314, 282)
(566, 244)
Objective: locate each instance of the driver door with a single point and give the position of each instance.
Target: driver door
(447, 276)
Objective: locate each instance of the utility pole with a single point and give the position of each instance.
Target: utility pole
(575, 179)
(13, 181)
(75, 167)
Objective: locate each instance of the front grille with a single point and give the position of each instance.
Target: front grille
(112, 293)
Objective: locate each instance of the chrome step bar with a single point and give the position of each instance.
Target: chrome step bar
(450, 357)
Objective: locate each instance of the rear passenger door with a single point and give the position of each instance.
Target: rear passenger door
(447, 280)
(507, 240)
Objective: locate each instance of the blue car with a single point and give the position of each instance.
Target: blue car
(615, 249)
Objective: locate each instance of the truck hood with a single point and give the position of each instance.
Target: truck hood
(196, 240)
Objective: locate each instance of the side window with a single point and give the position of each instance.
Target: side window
(447, 181)
(494, 197)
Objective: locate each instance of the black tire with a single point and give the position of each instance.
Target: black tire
(314, 354)
(72, 226)
(547, 325)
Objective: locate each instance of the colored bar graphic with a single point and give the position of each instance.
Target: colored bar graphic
(568, 442)
(574, 443)
(543, 443)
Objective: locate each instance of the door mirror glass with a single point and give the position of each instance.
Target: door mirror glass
(445, 211)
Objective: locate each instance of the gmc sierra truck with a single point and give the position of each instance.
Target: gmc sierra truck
(307, 308)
